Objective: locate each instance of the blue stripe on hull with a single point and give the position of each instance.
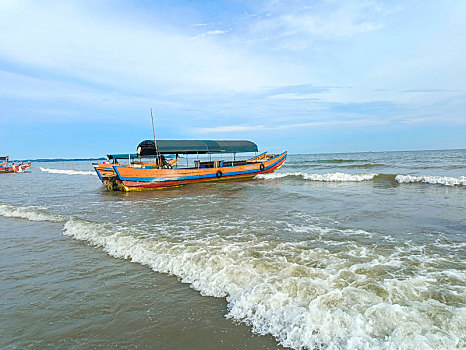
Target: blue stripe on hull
(194, 177)
(98, 173)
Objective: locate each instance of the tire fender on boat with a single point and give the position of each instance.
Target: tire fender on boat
(262, 167)
(219, 174)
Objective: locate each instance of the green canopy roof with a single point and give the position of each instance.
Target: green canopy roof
(122, 156)
(146, 148)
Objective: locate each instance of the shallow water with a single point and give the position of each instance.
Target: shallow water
(333, 251)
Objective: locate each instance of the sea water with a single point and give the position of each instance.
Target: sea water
(333, 251)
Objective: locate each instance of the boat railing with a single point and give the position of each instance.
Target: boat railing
(218, 163)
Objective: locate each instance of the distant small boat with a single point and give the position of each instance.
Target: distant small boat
(139, 175)
(6, 167)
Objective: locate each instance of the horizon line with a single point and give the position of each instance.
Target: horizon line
(296, 154)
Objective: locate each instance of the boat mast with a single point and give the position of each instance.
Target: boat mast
(155, 141)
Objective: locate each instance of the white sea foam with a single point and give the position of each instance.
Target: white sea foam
(305, 297)
(29, 213)
(330, 177)
(67, 171)
(437, 180)
(343, 177)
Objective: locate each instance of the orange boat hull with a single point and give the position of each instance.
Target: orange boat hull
(137, 179)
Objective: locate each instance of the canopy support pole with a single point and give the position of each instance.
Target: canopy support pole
(155, 141)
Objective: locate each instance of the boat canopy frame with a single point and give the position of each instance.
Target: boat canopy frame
(147, 147)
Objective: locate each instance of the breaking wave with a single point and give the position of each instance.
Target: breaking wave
(437, 180)
(67, 172)
(343, 177)
(330, 177)
(29, 213)
(307, 295)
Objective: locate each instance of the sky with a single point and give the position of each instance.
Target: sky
(78, 78)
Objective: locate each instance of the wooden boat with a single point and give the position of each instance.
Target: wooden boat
(5, 167)
(144, 176)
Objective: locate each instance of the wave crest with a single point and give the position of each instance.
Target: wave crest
(343, 177)
(330, 177)
(29, 213)
(314, 298)
(435, 180)
(311, 299)
(67, 172)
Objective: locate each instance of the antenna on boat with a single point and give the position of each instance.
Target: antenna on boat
(155, 141)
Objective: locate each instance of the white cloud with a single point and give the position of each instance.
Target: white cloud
(82, 41)
(298, 24)
(367, 122)
(216, 32)
(90, 54)
(294, 96)
(209, 33)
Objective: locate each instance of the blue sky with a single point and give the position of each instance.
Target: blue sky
(77, 78)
